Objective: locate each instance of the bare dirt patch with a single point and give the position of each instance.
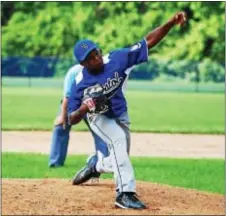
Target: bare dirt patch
(60, 197)
(143, 144)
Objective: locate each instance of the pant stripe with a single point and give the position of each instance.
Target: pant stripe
(113, 151)
(127, 133)
(97, 147)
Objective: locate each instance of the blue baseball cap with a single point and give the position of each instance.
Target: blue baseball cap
(82, 49)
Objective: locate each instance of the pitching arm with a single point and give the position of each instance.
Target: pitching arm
(155, 36)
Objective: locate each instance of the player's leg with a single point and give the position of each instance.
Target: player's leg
(100, 145)
(115, 137)
(101, 151)
(104, 163)
(124, 122)
(103, 159)
(105, 166)
(59, 145)
(113, 134)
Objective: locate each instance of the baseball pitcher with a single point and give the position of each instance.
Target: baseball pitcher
(99, 98)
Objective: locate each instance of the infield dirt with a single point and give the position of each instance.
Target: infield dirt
(60, 197)
(142, 144)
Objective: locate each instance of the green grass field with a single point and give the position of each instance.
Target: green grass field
(137, 85)
(153, 107)
(25, 108)
(201, 174)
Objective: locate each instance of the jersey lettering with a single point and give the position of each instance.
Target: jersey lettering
(112, 84)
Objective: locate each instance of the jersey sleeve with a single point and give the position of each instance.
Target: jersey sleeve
(70, 79)
(131, 56)
(137, 53)
(75, 99)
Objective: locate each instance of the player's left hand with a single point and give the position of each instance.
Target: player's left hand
(179, 18)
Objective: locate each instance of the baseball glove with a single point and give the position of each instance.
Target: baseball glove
(95, 99)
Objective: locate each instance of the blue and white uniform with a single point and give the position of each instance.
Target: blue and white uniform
(61, 136)
(117, 66)
(70, 78)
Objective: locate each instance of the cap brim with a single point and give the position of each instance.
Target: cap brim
(88, 52)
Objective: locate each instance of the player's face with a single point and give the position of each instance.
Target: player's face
(94, 61)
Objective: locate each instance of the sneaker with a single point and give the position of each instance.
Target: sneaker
(87, 173)
(129, 200)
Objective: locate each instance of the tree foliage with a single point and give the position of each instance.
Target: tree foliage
(52, 28)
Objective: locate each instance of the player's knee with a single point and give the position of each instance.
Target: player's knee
(121, 157)
(119, 137)
(120, 144)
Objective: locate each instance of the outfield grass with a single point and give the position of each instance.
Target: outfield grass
(201, 174)
(26, 108)
(137, 85)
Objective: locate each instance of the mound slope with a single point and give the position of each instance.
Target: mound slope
(59, 197)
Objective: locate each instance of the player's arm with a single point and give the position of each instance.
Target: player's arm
(78, 106)
(61, 118)
(155, 36)
(88, 105)
(64, 111)
(76, 116)
(93, 100)
(68, 81)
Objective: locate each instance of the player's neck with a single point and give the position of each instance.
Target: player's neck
(96, 72)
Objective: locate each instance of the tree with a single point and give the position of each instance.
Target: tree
(52, 28)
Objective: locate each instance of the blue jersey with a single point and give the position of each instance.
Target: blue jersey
(70, 78)
(117, 66)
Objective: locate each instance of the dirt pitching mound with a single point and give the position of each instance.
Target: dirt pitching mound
(59, 197)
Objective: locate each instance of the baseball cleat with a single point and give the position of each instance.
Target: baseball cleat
(129, 200)
(86, 173)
